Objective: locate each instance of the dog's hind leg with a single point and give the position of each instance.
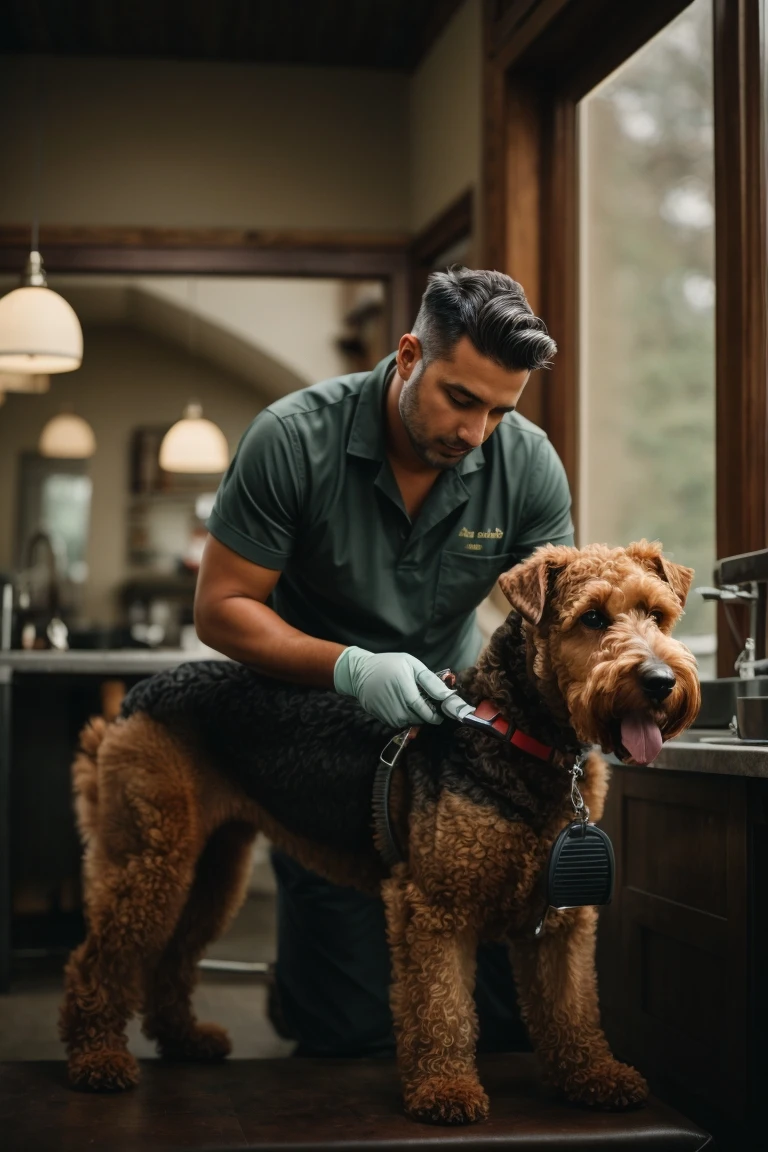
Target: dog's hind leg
(216, 895)
(557, 988)
(433, 972)
(143, 845)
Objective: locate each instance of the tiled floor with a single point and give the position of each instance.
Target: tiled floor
(29, 1012)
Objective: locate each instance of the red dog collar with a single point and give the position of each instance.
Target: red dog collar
(488, 711)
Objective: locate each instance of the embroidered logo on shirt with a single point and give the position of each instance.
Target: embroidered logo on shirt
(488, 534)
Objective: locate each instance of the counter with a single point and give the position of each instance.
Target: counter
(125, 662)
(702, 751)
(76, 666)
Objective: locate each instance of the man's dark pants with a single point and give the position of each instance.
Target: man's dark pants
(333, 972)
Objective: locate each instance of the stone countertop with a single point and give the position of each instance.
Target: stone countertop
(125, 662)
(711, 752)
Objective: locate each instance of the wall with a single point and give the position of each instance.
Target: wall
(128, 378)
(277, 333)
(446, 118)
(163, 143)
(187, 144)
(295, 321)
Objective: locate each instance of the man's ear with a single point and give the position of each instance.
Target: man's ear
(528, 585)
(409, 354)
(649, 555)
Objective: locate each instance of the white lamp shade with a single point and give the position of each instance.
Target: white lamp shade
(67, 437)
(194, 444)
(23, 382)
(39, 332)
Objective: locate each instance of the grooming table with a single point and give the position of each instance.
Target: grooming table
(307, 1105)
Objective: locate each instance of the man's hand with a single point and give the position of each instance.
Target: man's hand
(392, 686)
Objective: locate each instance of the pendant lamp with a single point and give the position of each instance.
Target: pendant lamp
(39, 330)
(194, 444)
(67, 437)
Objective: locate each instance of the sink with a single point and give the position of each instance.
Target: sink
(718, 699)
(701, 735)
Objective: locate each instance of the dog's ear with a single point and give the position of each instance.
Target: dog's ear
(650, 556)
(528, 585)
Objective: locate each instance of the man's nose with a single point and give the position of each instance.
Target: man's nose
(473, 432)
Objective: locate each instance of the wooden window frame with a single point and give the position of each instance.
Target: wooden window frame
(224, 252)
(541, 57)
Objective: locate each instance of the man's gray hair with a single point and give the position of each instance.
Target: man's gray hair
(491, 309)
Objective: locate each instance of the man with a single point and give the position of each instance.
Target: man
(357, 529)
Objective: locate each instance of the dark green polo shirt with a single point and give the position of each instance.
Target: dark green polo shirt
(311, 494)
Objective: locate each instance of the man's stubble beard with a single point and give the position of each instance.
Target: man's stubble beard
(408, 407)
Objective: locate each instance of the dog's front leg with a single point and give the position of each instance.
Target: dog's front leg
(557, 988)
(432, 996)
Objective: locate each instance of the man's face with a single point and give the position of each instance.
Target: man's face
(452, 406)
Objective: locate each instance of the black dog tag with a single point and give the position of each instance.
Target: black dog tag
(581, 868)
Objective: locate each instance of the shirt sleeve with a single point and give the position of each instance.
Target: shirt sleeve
(258, 504)
(547, 516)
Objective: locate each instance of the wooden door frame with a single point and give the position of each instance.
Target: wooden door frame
(541, 57)
(224, 252)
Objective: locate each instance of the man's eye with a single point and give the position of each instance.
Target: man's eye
(595, 620)
(459, 403)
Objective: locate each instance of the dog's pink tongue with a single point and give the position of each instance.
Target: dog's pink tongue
(641, 737)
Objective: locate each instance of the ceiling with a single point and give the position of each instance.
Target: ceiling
(393, 34)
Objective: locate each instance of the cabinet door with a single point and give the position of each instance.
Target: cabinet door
(673, 946)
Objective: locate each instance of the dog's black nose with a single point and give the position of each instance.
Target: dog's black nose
(657, 680)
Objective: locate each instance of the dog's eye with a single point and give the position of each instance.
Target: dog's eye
(595, 620)
(658, 617)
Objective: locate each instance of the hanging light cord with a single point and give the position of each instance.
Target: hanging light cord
(192, 315)
(38, 164)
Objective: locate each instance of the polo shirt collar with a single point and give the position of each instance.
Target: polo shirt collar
(471, 462)
(366, 437)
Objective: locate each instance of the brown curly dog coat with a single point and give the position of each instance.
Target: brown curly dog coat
(170, 796)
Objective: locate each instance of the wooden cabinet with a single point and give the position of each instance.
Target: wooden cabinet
(679, 955)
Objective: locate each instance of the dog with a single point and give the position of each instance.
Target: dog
(170, 796)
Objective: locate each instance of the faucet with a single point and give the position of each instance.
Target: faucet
(726, 594)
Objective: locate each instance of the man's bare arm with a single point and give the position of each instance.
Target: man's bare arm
(231, 615)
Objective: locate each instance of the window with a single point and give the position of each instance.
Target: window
(55, 497)
(647, 377)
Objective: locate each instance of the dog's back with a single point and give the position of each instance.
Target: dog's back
(307, 755)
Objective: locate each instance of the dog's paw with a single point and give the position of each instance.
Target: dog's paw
(205, 1044)
(454, 1100)
(611, 1086)
(103, 1071)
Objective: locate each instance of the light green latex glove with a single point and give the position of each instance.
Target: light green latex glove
(392, 686)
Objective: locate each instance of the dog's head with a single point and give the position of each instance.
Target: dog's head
(598, 627)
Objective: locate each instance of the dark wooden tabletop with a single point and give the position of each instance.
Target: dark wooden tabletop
(291, 1105)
